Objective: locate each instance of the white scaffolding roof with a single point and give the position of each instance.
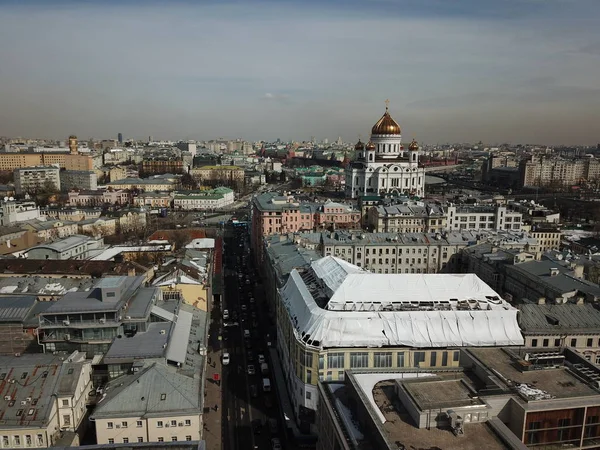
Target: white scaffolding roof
(374, 310)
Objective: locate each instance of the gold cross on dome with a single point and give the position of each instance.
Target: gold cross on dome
(387, 104)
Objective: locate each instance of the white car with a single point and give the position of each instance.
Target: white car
(225, 314)
(225, 359)
(261, 359)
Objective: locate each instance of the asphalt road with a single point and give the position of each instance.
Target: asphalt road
(247, 408)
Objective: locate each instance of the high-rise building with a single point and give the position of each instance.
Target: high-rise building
(120, 138)
(73, 144)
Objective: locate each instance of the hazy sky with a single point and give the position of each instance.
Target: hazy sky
(454, 70)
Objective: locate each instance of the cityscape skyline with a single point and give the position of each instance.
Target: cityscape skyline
(519, 71)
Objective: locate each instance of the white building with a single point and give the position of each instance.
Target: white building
(336, 316)
(72, 247)
(12, 211)
(482, 217)
(212, 199)
(383, 165)
(35, 179)
(78, 179)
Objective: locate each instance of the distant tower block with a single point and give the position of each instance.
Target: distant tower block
(73, 144)
(120, 138)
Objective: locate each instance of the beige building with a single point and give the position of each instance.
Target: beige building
(155, 404)
(102, 226)
(548, 237)
(15, 160)
(46, 396)
(145, 184)
(555, 172)
(51, 229)
(414, 217)
(218, 173)
(153, 199)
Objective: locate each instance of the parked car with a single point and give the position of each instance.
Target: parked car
(225, 359)
(225, 314)
(251, 369)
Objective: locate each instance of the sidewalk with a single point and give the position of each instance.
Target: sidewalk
(212, 391)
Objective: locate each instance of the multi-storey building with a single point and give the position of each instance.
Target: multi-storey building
(555, 172)
(335, 316)
(100, 198)
(337, 215)
(144, 184)
(12, 161)
(51, 229)
(36, 179)
(162, 164)
(208, 199)
(97, 227)
(45, 396)
(90, 320)
(383, 165)
(78, 179)
(497, 399)
(153, 199)
(479, 217)
(548, 236)
(408, 217)
(218, 174)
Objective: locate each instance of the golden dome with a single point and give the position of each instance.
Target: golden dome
(370, 146)
(359, 145)
(386, 125)
(413, 145)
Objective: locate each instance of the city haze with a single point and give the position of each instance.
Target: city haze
(513, 71)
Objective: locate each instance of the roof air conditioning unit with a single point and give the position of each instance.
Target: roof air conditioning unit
(163, 332)
(17, 354)
(28, 399)
(23, 402)
(128, 317)
(66, 322)
(7, 398)
(102, 320)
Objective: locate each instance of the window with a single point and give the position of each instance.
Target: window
(590, 342)
(534, 342)
(335, 360)
(111, 441)
(382, 359)
(400, 362)
(188, 423)
(359, 359)
(40, 439)
(173, 423)
(545, 342)
(65, 402)
(28, 440)
(160, 439)
(125, 440)
(456, 356)
(574, 342)
(419, 357)
(444, 359)
(308, 359)
(5, 441)
(159, 424)
(138, 424)
(67, 420)
(433, 359)
(308, 395)
(188, 438)
(109, 425)
(309, 376)
(140, 439)
(124, 424)
(173, 438)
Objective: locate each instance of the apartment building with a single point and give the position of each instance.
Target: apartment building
(218, 173)
(558, 172)
(548, 236)
(207, 199)
(36, 179)
(14, 160)
(153, 199)
(144, 184)
(72, 247)
(407, 217)
(51, 229)
(45, 396)
(78, 179)
(73, 214)
(162, 164)
(99, 198)
(497, 399)
(482, 217)
(335, 316)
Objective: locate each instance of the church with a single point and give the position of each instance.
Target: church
(383, 165)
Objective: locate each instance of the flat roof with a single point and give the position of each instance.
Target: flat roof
(149, 344)
(451, 391)
(559, 382)
(65, 244)
(15, 308)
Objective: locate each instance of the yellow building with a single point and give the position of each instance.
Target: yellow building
(218, 173)
(156, 404)
(15, 160)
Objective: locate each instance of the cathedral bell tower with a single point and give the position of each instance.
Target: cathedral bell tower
(413, 153)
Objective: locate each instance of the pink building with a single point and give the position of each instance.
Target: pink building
(99, 198)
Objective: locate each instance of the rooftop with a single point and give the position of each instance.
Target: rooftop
(555, 318)
(337, 304)
(62, 245)
(72, 267)
(15, 308)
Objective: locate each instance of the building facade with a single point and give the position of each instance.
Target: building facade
(209, 199)
(383, 165)
(36, 179)
(78, 179)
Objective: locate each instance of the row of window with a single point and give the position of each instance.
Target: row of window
(159, 439)
(360, 360)
(139, 424)
(18, 440)
(572, 343)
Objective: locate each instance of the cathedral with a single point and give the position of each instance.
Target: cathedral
(383, 165)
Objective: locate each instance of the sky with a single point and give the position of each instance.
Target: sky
(517, 71)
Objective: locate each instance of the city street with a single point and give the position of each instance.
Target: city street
(251, 416)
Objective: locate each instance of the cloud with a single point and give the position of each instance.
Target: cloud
(310, 68)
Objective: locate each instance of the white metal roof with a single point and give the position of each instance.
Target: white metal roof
(374, 310)
(178, 345)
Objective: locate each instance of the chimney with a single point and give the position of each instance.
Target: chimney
(542, 301)
(131, 272)
(554, 271)
(580, 301)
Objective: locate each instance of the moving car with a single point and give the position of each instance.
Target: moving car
(225, 314)
(261, 358)
(225, 359)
